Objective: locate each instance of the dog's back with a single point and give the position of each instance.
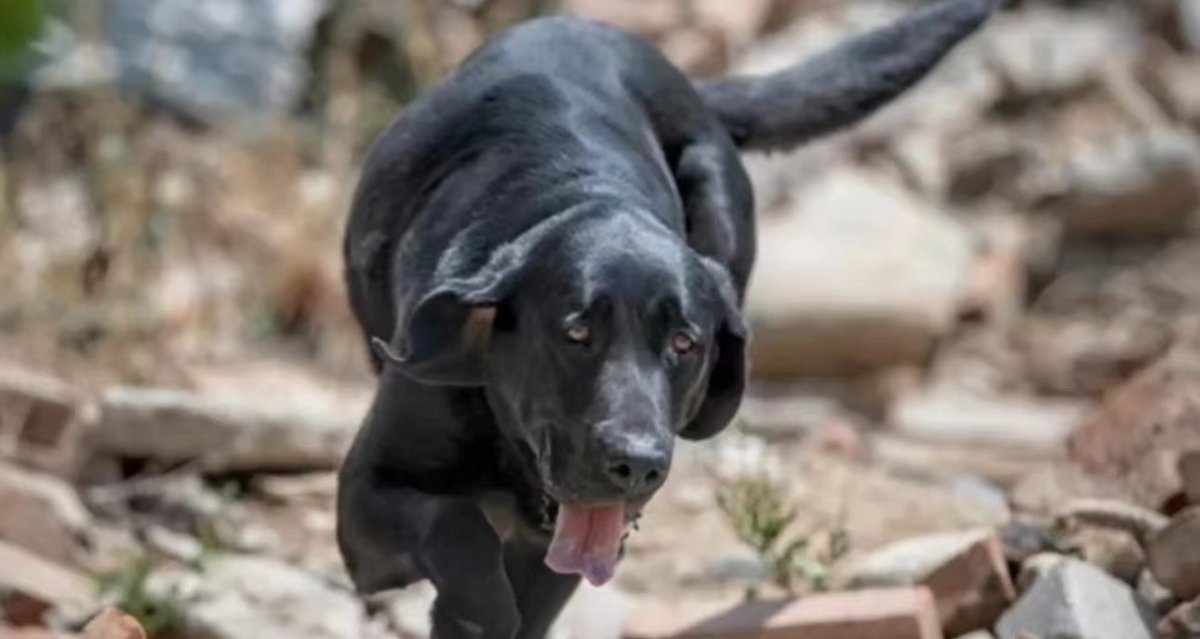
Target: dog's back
(542, 116)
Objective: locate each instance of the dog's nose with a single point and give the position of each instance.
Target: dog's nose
(638, 469)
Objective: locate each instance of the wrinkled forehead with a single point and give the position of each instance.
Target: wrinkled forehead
(626, 264)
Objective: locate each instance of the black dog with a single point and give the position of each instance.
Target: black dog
(548, 255)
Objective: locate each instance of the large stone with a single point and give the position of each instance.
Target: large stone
(816, 303)
(222, 433)
(43, 515)
(31, 586)
(899, 613)
(1076, 600)
(965, 571)
(1046, 50)
(1173, 554)
(943, 461)
(238, 597)
(218, 58)
(1088, 355)
(1142, 428)
(1127, 186)
(957, 417)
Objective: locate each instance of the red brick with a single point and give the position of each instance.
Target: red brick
(38, 424)
(973, 588)
(1142, 429)
(895, 613)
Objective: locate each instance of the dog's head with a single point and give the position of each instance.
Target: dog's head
(598, 343)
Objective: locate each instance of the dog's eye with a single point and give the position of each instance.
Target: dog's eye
(579, 333)
(683, 343)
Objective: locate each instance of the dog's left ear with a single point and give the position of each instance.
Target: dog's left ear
(441, 337)
(727, 378)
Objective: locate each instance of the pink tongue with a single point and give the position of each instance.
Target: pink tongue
(587, 541)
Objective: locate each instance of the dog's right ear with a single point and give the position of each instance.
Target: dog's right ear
(845, 84)
(440, 339)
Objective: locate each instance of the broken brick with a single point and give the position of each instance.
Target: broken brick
(33, 586)
(38, 424)
(966, 572)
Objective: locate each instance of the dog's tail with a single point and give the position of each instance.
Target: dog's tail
(845, 84)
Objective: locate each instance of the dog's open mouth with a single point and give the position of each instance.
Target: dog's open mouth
(587, 541)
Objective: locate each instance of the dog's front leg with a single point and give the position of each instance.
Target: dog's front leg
(464, 559)
(392, 535)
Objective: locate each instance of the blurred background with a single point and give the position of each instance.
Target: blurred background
(969, 313)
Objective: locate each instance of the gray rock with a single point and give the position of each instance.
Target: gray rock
(239, 597)
(1076, 600)
(1044, 50)
(216, 58)
(1129, 186)
(222, 433)
(815, 301)
(953, 416)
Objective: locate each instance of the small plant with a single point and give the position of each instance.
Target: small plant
(758, 511)
(160, 614)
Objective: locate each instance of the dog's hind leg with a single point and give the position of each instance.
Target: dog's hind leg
(540, 592)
